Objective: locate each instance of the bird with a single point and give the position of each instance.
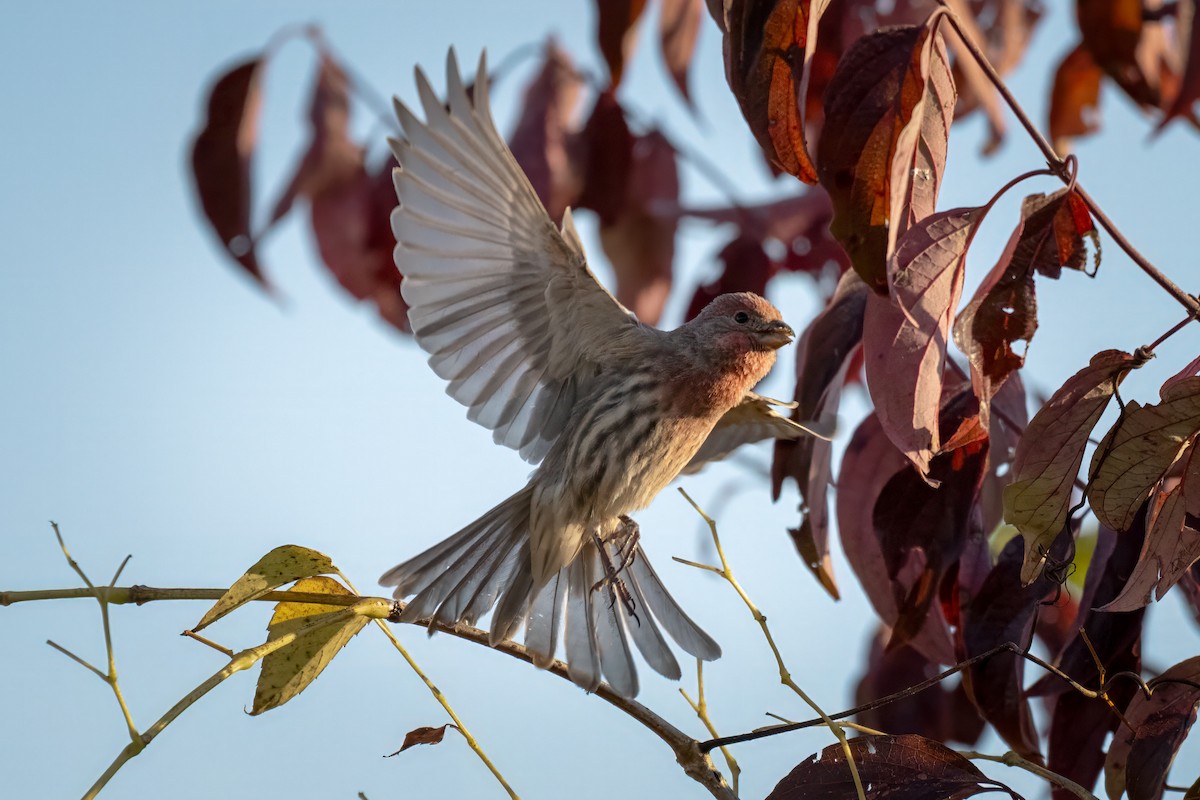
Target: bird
(610, 409)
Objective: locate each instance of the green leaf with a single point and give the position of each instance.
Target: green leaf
(282, 565)
(326, 629)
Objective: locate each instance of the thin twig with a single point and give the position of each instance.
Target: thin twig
(700, 706)
(1060, 168)
(1011, 759)
(785, 676)
(442, 701)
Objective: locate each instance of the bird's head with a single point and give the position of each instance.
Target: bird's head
(743, 322)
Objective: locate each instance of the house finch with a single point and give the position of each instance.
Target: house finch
(545, 357)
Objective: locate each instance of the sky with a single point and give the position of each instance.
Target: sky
(154, 403)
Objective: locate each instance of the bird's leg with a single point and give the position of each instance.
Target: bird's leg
(626, 537)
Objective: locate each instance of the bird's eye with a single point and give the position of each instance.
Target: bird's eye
(741, 317)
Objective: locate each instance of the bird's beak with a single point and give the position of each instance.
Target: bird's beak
(777, 334)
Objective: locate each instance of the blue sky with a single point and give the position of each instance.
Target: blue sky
(154, 403)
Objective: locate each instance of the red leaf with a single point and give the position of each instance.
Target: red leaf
(1139, 759)
(883, 147)
(221, 155)
(640, 244)
(1004, 308)
(1137, 452)
(768, 53)
(678, 26)
(1003, 611)
(350, 222)
(1075, 98)
(1191, 370)
(1189, 86)
(896, 767)
(1051, 451)
(608, 166)
(1171, 545)
(823, 355)
(923, 524)
(869, 463)
(616, 28)
(423, 735)
(747, 268)
(540, 141)
(332, 160)
(905, 334)
(1008, 423)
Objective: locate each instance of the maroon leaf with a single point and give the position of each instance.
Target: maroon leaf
(1075, 98)
(350, 222)
(936, 713)
(616, 28)
(823, 355)
(1002, 611)
(896, 767)
(1189, 85)
(1004, 309)
(870, 463)
(1139, 759)
(423, 735)
(1079, 725)
(540, 141)
(678, 26)
(1051, 451)
(332, 160)
(767, 53)
(640, 244)
(747, 268)
(1171, 545)
(905, 334)
(608, 163)
(924, 524)
(883, 147)
(1137, 452)
(221, 155)
(1191, 370)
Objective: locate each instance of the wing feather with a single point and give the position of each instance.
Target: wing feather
(498, 296)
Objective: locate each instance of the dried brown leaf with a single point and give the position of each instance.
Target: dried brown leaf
(1184, 101)
(423, 735)
(221, 156)
(1051, 451)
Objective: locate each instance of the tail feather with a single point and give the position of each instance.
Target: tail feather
(687, 634)
(545, 618)
(487, 564)
(616, 659)
(583, 657)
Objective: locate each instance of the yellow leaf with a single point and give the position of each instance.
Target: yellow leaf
(326, 630)
(282, 565)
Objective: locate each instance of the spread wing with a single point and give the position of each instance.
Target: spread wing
(501, 299)
(752, 420)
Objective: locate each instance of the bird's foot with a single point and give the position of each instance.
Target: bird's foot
(625, 546)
